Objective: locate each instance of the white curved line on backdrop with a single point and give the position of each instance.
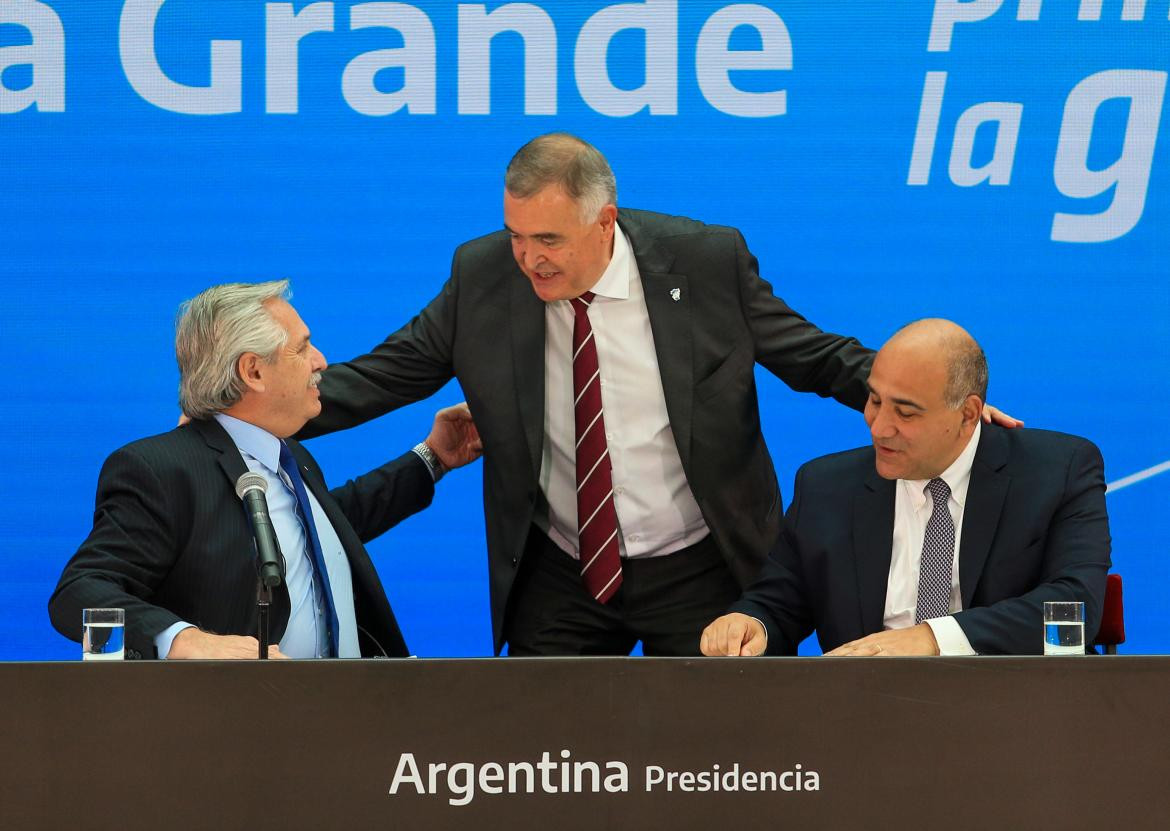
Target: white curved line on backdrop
(1134, 478)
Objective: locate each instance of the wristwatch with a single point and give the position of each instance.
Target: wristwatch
(431, 460)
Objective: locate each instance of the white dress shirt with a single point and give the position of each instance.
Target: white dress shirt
(912, 511)
(656, 511)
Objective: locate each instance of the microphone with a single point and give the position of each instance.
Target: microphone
(251, 488)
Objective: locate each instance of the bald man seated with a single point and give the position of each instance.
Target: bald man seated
(944, 536)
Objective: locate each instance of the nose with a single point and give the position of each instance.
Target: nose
(319, 363)
(533, 256)
(881, 425)
(528, 253)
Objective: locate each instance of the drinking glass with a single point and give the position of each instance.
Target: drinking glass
(102, 634)
(1064, 628)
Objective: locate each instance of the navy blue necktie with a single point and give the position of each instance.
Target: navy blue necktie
(320, 572)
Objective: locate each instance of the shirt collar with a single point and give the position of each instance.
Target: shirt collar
(255, 441)
(957, 476)
(614, 282)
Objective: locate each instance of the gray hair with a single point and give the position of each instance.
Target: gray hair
(212, 331)
(966, 373)
(565, 160)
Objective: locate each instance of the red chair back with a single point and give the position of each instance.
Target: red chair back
(1112, 631)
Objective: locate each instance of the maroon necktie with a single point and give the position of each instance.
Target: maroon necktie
(601, 566)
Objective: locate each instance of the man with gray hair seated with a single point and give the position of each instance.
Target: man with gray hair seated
(171, 543)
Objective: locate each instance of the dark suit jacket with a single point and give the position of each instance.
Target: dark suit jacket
(1034, 529)
(171, 541)
(487, 328)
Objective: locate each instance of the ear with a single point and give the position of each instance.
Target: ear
(972, 411)
(249, 367)
(608, 220)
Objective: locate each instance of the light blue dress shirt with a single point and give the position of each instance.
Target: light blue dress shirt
(307, 633)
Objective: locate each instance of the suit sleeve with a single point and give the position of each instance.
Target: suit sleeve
(1074, 564)
(794, 350)
(778, 597)
(127, 554)
(377, 501)
(410, 365)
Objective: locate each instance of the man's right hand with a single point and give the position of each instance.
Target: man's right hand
(195, 643)
(735, 635)
(454, 438)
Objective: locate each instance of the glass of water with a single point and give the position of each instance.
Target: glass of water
(102, 634)
(1064, 628)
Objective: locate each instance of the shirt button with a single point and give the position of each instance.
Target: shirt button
(609, 436)
(619, 490)
(633, 538)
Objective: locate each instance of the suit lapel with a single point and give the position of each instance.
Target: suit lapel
(873, 534)
(671, 327)
(230, 461)
(985, 498)
(526, 322)
(319, 490)
(350, 543)
(233, 466)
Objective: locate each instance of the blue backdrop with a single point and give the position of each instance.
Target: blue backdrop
(998, 162)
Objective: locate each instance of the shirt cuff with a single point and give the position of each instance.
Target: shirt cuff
(949, 636)
(763, 651)
(164, 639)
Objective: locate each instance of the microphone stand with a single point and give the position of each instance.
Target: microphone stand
(268, 577)
(250, 489)
(263, 603)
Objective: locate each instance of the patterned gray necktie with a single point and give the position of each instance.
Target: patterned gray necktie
(938, 553)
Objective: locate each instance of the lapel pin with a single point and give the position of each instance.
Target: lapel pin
(675, 294)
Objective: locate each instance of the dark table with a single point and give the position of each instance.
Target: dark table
(633, 743)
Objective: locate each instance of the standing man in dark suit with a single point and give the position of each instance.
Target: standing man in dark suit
(655, 450)
(171, 543)
(943, 537)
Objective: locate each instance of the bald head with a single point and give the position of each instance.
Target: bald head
(963, 358)
(927, 389)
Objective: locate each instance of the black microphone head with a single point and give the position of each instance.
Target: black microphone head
(250, 482)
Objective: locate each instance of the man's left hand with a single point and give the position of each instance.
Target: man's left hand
(994, 415)
(454, 438)
(915, 640)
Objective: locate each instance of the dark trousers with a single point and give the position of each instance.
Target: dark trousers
(664, 602)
